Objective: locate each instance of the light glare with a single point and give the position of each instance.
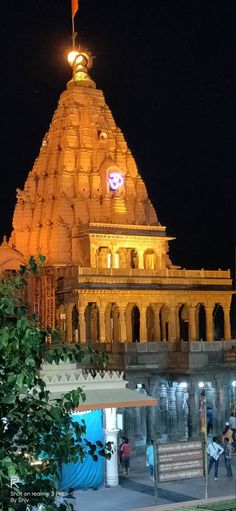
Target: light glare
(72, 56)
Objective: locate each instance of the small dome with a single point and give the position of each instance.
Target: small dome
(10, 258)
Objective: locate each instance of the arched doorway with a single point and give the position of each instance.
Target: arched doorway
(75, 324)
(135, 323)
(133, 258)
(218, 318)
(184, 323)
(164, 322)
(150, 321)
(149, 259)
(92, 323)
(201, 322)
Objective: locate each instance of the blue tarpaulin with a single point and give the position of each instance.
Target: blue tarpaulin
(90, 473)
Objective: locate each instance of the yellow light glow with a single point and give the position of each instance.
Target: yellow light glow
(79, 59)
(72, 56)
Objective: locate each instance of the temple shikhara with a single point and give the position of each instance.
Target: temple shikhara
(86, 208)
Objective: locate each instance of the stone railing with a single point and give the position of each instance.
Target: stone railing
(161, 346)
(150, 347)
(198, 346)
(167, 272)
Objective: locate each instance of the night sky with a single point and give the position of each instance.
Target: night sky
(167, 70)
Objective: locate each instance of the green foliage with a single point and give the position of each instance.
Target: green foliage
(31, 426)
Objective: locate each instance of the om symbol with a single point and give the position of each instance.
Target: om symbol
(115, 180)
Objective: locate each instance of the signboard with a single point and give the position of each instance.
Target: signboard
(230, 357)
(181, 460)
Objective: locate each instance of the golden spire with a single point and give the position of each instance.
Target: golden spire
(81, 61)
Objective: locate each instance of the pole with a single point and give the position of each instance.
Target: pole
(74, 9)
(155, 450)
(203, 420)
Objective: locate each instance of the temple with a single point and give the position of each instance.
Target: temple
(86, 208)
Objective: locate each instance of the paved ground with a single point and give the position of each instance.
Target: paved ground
(137, 490)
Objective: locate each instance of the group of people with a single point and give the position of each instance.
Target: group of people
(215, 449)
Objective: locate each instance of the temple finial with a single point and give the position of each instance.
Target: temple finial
(81, 61)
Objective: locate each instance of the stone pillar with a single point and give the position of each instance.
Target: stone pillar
(172, 324)
(112, 478)
(172, 412)
(102, 324)
(143, 324)
(163, 410)
(193, 417)
(82, 325)
(192, 324)
(69, 334)
(123, 334)
(157, 329)
(209, 324)
(218, 411)
(141, 259)
(227, 327)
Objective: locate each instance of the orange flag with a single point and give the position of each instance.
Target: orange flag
(74, 7)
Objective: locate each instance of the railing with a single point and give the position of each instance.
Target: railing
(170, 346)
(168, 272)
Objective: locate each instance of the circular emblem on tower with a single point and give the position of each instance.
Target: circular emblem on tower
(115, 180)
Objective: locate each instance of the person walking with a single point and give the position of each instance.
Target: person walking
(227, 433)
(209, 417)
(125, 453)
(150, 459)
(214, 450)
(228, 457)
(232, 424)
(123, 438)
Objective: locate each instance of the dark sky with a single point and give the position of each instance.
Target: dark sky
(167, 70)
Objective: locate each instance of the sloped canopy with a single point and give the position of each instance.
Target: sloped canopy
(112, 398)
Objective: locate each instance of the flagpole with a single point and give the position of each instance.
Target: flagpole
(74, 9)
(73, 35)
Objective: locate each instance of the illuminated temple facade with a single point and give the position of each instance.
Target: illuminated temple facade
(86, 208)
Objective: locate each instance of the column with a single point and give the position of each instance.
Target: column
(102, 323)
(192, 324)
(193, 417)
(140, 259)
(172, 324)
(69, 335)
(218, 411)
(112, 478)
(123, 334)
(82, 324)
(172, 412)
(157, 329)
(209, 324)
(143, 324)
(227, 327)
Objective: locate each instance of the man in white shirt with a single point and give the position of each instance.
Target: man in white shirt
(214, 450)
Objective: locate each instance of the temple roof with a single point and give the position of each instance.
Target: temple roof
(84, 173)
(10, 259)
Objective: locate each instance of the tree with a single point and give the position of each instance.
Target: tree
(34, 429)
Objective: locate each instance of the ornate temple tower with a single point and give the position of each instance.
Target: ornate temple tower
(86, 208)
(84, 174)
